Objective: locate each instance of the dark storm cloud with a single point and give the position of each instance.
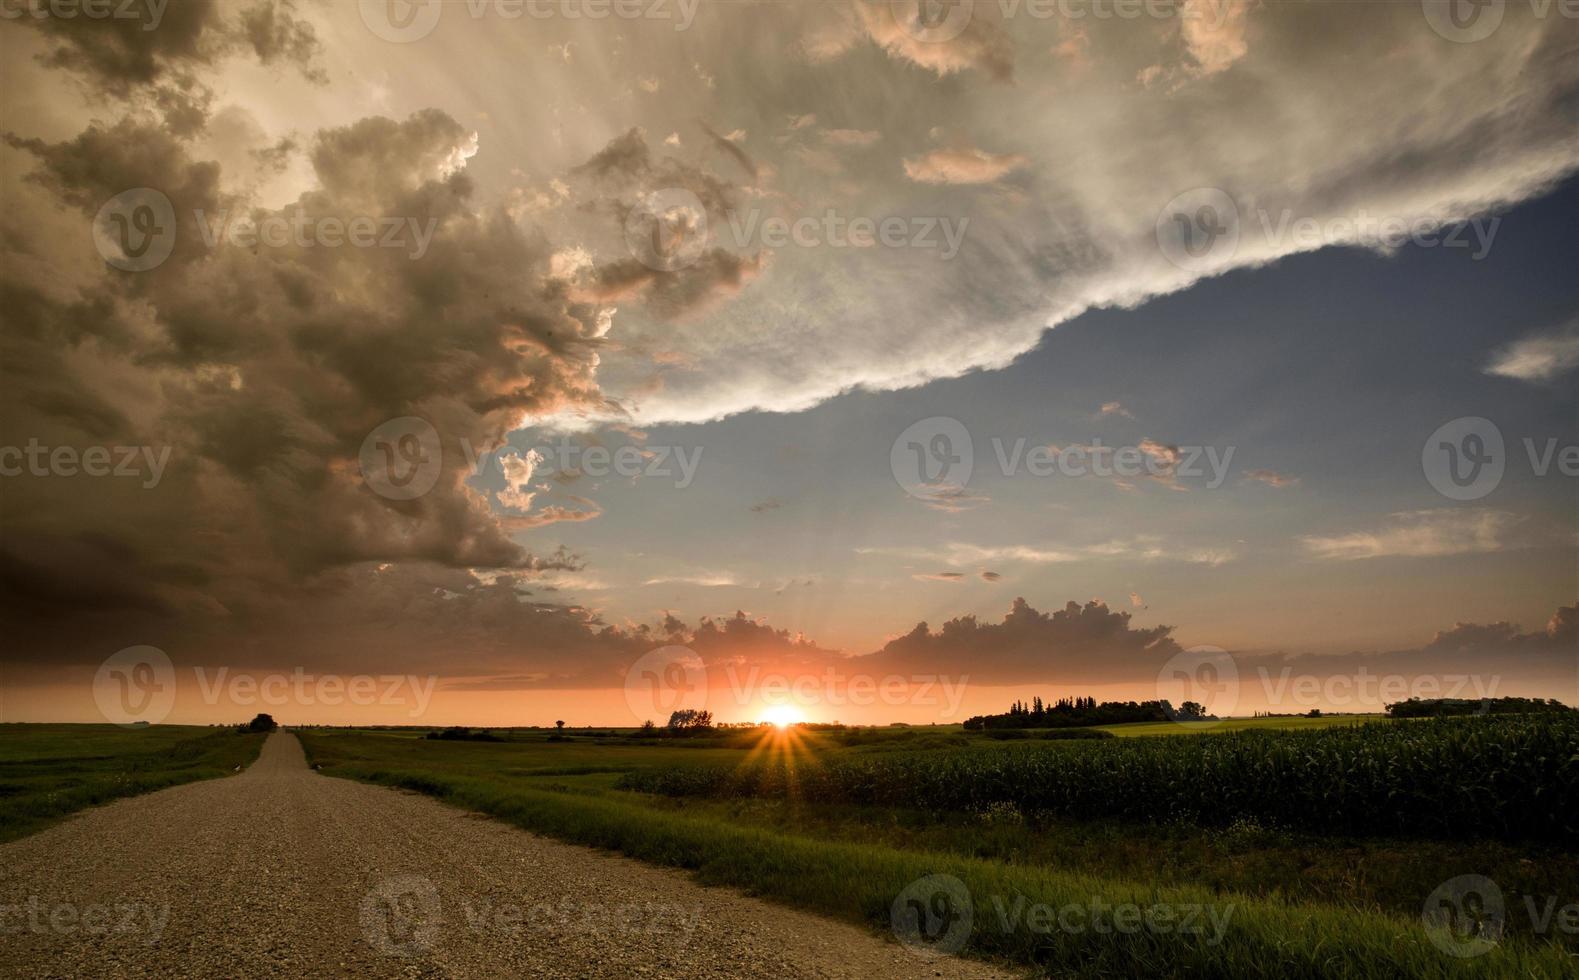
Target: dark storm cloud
(146, 43)
(259, 372)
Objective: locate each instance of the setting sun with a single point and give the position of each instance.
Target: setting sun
(782, 715)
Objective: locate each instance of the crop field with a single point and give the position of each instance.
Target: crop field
(1305, 878)
(51, 771)
(1517, 779)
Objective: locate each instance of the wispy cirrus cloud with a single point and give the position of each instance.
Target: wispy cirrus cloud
(1539, 357)
(1419, 534)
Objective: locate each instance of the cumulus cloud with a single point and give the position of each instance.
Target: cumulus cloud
(263, 371)
(1069, 644)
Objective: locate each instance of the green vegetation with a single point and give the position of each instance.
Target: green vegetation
(1442, 707)
(1515, 778)
(1299, 904)
(50, 771)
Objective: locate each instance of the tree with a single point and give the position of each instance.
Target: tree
(1192, 709)
(690, 719)
(560, 725)
(262, 723)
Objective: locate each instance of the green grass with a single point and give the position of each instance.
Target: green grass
(48, 772)
(1301, 906)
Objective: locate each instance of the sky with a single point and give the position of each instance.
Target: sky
(484, 363)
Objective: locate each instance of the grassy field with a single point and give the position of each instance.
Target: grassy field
(50, 771)
(1295, 904)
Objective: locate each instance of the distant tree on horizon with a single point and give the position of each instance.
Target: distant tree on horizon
(690, 719)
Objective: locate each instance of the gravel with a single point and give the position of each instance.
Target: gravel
(280, 871)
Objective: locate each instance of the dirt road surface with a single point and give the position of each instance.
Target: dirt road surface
(281, 871)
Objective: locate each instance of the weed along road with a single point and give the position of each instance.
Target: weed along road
(280, 871)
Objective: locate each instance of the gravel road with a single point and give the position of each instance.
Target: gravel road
(280, 871)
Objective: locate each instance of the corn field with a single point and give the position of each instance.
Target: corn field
(1508, 777)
